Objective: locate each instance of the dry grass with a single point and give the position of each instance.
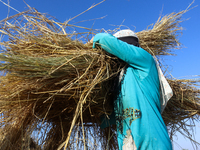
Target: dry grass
(55, 88)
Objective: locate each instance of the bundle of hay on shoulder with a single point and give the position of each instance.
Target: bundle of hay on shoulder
(54, 88)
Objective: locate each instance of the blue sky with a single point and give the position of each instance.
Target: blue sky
(135, 14)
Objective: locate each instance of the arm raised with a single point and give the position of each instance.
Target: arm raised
(134, 56)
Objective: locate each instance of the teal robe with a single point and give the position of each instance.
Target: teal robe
(137, 111)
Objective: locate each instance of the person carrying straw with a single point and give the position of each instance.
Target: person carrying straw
(137, 106)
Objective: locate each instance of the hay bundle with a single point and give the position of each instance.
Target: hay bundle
(55, 88)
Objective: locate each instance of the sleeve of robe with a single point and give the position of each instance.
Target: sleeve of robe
(134, 56)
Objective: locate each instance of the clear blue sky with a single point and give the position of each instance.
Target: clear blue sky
(137, 15)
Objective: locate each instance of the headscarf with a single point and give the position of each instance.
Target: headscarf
(127, 36)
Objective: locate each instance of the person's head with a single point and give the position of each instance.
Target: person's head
(127, 36)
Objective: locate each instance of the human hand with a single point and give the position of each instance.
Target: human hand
(90, 42)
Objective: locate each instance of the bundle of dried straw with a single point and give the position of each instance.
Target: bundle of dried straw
(54, 88)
